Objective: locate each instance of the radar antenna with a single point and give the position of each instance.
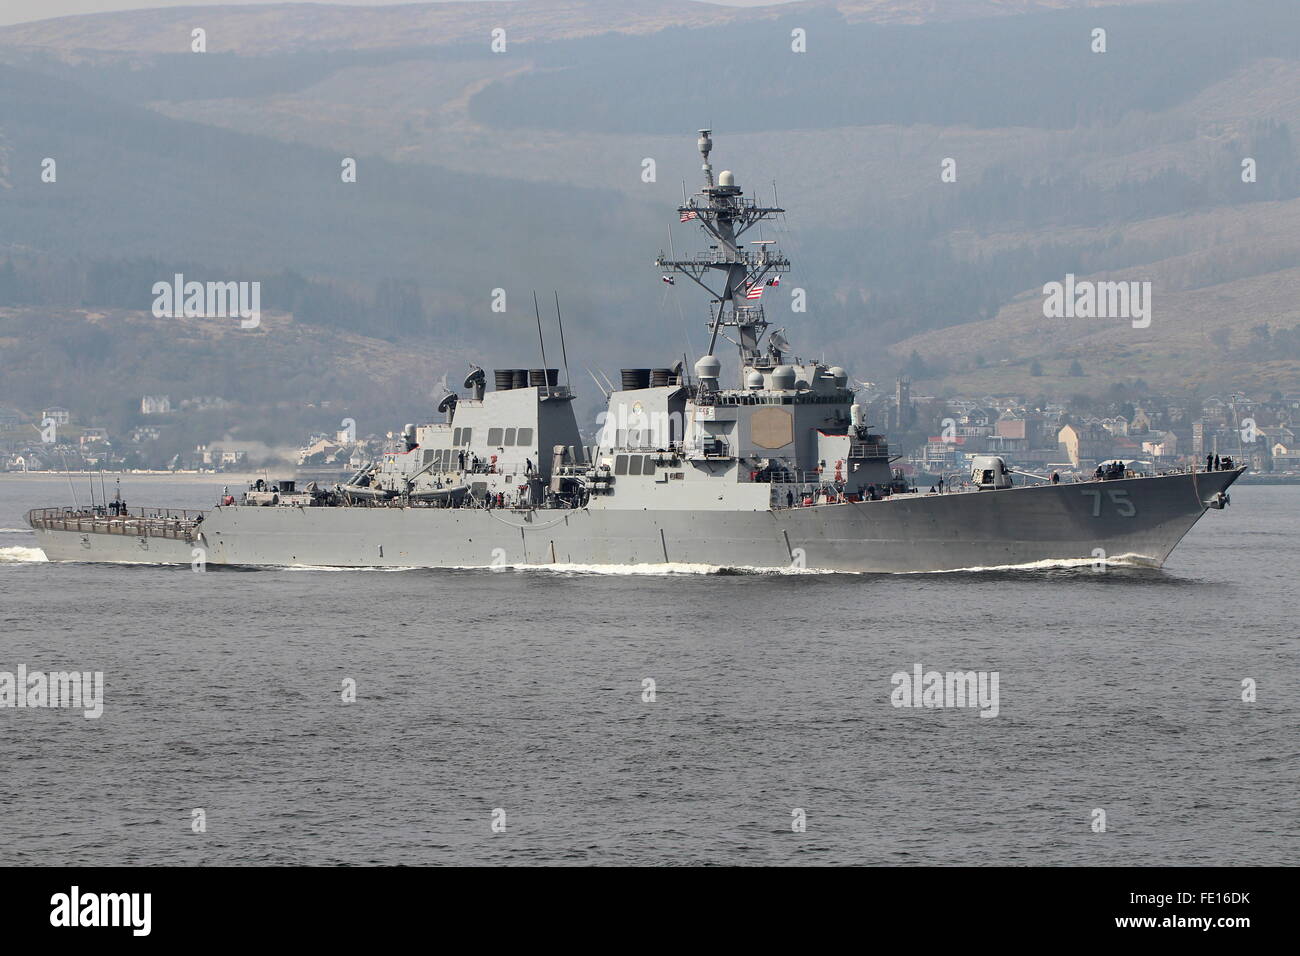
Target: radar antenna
(735, 278)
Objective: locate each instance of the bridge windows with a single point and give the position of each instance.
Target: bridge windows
(494, 437)
(525, 436)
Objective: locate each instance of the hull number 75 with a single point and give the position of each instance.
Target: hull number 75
(1123, 506)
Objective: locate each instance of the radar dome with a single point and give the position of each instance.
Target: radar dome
(708, 367)
(841, 377)
(726, 178)
(783, 378)
(754, 380)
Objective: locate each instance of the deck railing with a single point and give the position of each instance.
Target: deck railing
(138, 522)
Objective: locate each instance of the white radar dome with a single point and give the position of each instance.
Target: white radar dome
(708, 367)
(782, 378)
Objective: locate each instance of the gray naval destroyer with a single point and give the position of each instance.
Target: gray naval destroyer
(775, 470)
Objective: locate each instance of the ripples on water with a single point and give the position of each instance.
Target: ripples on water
(522, 690)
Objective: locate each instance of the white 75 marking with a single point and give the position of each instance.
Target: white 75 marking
(1120, 499)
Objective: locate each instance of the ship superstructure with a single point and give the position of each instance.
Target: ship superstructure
(774, 468)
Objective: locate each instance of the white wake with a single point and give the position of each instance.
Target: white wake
(17, 555)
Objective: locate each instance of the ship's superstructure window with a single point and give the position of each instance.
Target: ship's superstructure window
(510, 437)
(455, 437)
(494, 436)
(634, 465)
(429, 455)
(525, 436)
(465, 435)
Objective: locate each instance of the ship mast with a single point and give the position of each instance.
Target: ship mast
(729, 273)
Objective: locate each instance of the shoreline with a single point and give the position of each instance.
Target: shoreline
(228, 477)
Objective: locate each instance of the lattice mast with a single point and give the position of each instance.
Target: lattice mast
(729, 273)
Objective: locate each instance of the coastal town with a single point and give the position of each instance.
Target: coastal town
(932, 435)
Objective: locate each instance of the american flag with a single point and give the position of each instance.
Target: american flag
(689, 214)
(670, 280)
(755, 293)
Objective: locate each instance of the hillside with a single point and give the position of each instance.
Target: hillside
(279, 379)
(524, 171)
(284, 28)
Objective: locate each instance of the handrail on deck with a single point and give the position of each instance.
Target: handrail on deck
(139, 522)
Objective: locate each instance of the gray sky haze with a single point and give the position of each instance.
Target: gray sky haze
(22, 11)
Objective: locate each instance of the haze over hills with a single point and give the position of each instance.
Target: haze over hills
(261, 27)
(522, 170)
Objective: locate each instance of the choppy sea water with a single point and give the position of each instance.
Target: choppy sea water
(523, 691)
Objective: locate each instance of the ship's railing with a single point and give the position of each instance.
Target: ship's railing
(138, 522)
(772, 260)
(810, 477)
(865, 449)
(737, 397)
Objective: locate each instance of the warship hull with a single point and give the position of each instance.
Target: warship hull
(1126, 521)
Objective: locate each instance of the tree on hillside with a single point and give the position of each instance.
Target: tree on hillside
(915, 367)
(1076, 370)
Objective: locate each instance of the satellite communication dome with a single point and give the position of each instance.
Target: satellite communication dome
(708, 367)
(782, 378)
(726, 178)
(754, 380)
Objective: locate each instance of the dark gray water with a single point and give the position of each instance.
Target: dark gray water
(522, 690)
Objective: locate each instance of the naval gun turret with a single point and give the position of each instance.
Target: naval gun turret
(989, 472)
